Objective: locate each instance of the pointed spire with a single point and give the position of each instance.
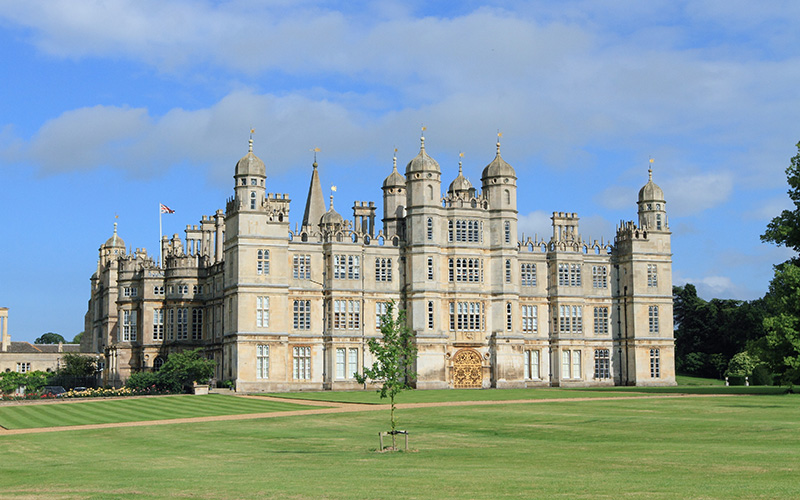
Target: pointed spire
(315, 203)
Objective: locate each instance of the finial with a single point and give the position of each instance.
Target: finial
(331, 202)
(394, 160)
(499, 135)
(315, 150)
(252, 131)
(650, 169)
(422, 139)
(460, 156)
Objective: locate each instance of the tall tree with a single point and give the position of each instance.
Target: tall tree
(785, 228)
(50, 338)
(709, 333)
(781, 345)
(394, 354)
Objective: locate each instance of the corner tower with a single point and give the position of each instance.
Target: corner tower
(643, 296)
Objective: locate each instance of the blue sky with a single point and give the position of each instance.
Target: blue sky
(109, 108)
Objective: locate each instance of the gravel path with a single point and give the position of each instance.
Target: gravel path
(326, 407)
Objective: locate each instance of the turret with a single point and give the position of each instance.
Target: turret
(423, 179)
(499, 183)
(250, 178)
(461, 188)
(394, 201)
(652, 206)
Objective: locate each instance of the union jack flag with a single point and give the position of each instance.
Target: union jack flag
(166, 210)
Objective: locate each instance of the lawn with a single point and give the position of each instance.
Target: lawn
(97, 411)
(722, 447)
(372, 397)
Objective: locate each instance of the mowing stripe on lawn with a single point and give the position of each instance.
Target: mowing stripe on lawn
(133, 410)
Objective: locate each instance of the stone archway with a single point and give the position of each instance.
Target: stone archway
(467, 370)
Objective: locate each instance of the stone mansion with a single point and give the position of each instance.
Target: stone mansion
(281, 309)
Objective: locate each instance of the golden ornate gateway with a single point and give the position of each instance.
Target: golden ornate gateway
(467, 370)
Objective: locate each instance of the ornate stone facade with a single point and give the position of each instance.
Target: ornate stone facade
(282, 309)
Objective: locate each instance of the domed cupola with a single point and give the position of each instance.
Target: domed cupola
(113, 247)
(422, 163)
(651, 191)
(498, 167)
(250, 165)
(394, 180)
(331, 221)
(115, 241)
(250, 178)
(652, 206)
(461, 186)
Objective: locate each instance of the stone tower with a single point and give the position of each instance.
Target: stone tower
(643, 301)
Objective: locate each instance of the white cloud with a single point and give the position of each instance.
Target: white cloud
(535, 223)
(711, 287)
(693, 193)
(559, 82)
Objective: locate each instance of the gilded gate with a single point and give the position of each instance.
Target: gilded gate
(467, 370)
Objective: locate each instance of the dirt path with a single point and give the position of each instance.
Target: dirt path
(327, 407)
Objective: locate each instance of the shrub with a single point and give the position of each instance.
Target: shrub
(183, 369)
(736, 379)
(762, 375)
(142, 381)
(741, 364)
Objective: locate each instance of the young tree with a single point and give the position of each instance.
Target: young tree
(50, 338)
(394, 356)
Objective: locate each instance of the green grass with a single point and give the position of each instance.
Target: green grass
(709, 448)
(372, 397)
(687, 380)
(96, 411)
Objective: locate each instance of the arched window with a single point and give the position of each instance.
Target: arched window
(430, 268)
(430, 228)
(430, 192)
(507, 231)
(158, 363)
(507, 194)
(263, 262)
(508, 317)
(253, 200)
(508, 271)
(430, 315)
